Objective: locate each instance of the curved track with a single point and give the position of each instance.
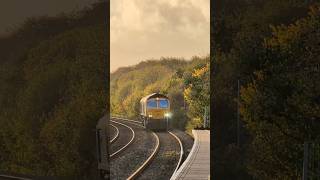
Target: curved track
(162, 148)
(139, 123)
(166, 162)
(13, 177)
(148, 161)
(181, 151)
(123, 147)
(116, 133)
(133, 157)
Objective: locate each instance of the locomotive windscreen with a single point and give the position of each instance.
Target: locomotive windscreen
(163, 103)
(152, 103)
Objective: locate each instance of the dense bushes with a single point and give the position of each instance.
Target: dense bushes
(271, 49)
(185, 82)
(52, 94)
(281, 105)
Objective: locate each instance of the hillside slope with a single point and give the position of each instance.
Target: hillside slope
(174, 77)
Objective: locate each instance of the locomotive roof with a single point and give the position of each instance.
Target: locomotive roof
(153, 95)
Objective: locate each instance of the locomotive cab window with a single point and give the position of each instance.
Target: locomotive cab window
(152, 103)
(163, 103)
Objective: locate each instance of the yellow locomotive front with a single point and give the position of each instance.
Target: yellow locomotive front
(155, 111)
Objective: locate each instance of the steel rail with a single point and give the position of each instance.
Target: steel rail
(14, 177)
(148, 161)
(127, 120)
(134, 122)
(117, 134)
(142, 167)
(125, 146)
(181, 152)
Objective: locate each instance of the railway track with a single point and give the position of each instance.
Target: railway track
(167, 160)
(8, 177)
(139, 171)
(142, 147)
(116, 133)
(139, 123)
(155, 160)
(122, 144)
(181, 152)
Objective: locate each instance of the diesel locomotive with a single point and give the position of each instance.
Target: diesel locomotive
(155, 111)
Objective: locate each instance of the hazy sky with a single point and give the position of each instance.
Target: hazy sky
(14, 12)
(145, 29)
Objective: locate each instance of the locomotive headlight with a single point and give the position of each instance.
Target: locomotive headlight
(168, 115)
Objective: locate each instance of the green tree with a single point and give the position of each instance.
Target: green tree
(281, 106)
(197, 93)
(52, 92)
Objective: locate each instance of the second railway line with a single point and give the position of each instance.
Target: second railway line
(141, 148)
(124, 140)
(115, 133)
